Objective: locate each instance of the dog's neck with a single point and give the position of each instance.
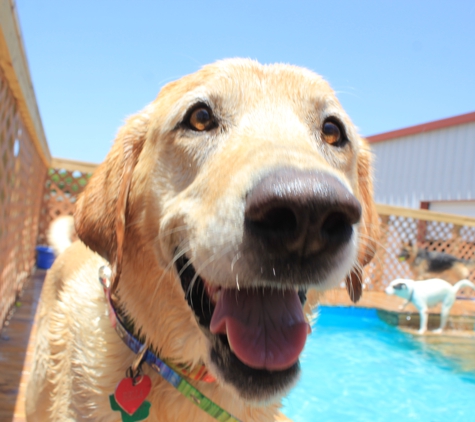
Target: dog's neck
(411, 294)
(214, 390)
(125, 327)
(169, 371)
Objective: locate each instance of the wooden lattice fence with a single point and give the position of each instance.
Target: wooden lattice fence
(22, 172)
(65, 181)
(428, 230)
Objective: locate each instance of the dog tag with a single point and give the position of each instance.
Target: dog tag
(130, 394)
(140, 415)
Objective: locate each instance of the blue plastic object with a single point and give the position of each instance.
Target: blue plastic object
(44, 257)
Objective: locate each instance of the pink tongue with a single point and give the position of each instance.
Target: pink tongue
(266, 329)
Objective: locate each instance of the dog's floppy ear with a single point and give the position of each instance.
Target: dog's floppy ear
(101, 210)
(369, 226)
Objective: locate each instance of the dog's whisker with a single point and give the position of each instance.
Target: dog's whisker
(369, 245)
(373, 244)
(235, 259)
(192, 282)
(370, 249)
(371, 239)
(131, 224)
(376, 256)
(191, 261)
(169, 266)
(213, 257)
(163, 234)
(364, 239)
(204, 265)
(209, 260)
(177, 229)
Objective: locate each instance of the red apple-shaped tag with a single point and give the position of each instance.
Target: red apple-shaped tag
(129, 396)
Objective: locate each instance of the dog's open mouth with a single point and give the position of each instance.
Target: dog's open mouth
(256, 334)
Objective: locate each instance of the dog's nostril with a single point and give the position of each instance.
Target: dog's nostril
(279, 220)
(336, 228)
(300, 212)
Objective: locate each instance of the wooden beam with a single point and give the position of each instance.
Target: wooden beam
(15, 68)
(425, 215)
(73, 165)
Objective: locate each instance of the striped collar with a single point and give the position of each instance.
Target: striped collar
(171, 372)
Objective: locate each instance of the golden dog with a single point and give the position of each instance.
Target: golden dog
(219, 205)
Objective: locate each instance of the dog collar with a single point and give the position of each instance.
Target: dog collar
(169, 371)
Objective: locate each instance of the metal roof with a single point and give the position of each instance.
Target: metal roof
(426, 165)
(424, 127)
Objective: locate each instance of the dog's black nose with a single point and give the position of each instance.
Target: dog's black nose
(302, 212)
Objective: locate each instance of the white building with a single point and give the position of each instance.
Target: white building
(428, 166)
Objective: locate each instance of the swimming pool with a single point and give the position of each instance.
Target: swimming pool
(357, 368)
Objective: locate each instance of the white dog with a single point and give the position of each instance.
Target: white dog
(427, 293)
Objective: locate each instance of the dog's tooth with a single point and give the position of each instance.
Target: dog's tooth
(216, 295)
(230, 344)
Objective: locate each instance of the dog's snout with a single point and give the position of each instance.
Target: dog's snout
(301, 212)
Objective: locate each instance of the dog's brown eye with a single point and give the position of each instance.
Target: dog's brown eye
(332, 133)
(201, 119)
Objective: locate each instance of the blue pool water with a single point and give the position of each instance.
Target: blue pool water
(357, 368)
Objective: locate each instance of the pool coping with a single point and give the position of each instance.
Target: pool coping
(405, 319)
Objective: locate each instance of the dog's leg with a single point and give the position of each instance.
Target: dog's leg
(424, 314)
(445, 311)
(444, 314)
(401, 307)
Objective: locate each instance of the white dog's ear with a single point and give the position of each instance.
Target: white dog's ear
(369, 225)
(101, 211)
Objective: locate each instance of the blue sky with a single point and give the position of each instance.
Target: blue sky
(392, 63)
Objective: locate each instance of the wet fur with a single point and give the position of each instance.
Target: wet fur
(162, 192)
